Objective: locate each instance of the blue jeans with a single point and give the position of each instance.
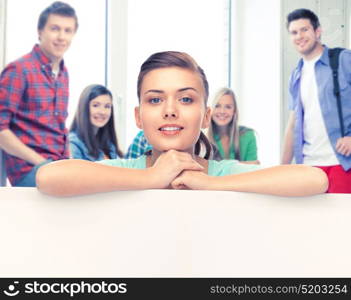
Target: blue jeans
(28, 180)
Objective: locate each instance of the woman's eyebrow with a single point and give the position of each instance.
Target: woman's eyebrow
(154, 91)
(180, 90)
(188, 88)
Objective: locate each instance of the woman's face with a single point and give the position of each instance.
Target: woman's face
(223, 111)
(100, 109)
(172, 109)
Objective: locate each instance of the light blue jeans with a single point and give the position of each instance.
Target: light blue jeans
(28, 180)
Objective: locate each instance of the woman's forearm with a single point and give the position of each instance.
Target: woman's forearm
(77, 177)
(284, 180)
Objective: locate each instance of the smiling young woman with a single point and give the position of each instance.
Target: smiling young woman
(92, 134)
(174, 98)
(232, 140)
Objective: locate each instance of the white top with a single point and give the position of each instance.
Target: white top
(317, 149)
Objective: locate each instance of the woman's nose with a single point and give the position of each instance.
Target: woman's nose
(170, 110)
(170, 115)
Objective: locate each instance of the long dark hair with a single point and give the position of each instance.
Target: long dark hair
(85, 130)
(182, 60)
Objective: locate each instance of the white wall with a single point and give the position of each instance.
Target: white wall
(117, 68)
(256, 46)
(2, 32)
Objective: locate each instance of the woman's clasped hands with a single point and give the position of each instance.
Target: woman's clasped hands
(178, 170)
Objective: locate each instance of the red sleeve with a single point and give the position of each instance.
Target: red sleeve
(12, 85)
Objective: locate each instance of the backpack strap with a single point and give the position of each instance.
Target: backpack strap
(334, 64)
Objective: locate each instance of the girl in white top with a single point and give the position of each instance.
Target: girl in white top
(173, 92)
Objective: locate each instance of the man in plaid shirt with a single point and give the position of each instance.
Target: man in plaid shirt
(34, 98)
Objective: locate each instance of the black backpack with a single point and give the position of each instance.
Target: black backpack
(334, 64)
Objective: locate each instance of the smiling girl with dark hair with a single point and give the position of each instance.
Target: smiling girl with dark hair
(92, 133)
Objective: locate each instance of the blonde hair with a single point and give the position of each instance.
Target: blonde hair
(233, 127)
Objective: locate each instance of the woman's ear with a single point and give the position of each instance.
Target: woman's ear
(137, 117)
(207, 118)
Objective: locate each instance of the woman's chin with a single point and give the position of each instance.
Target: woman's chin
(222, 123)
(165, 149)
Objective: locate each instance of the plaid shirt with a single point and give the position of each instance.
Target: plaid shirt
(139, 146)
(33, 105)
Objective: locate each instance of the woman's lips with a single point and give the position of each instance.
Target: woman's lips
(170, 129)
